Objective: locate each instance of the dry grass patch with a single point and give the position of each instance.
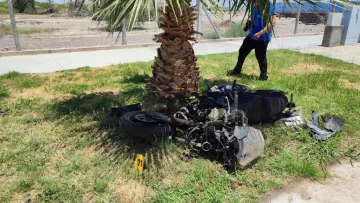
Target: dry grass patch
(5, 29)
(90, 152)
(38, 92)
(303, 68)
(173, 181)
(57, 157)
(30, 195)
(346, 83)
(131, 190)
(202, 63)
(352, 72)
(252, 71)
(114, 92)
(211, 76)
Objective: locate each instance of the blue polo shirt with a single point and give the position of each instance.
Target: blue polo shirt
(258, 24)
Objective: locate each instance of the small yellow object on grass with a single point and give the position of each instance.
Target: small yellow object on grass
(139, 162)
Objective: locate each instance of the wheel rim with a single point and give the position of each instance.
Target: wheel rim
(145, 119)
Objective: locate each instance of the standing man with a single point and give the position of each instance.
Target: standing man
(258, 38)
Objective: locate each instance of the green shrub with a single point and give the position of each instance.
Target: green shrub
(211, 35)
(3, 8)
(12, 74)
(3, 4)
(25, 6)
(235, 30)
(31, 4)
(30, 10)
(20, 5)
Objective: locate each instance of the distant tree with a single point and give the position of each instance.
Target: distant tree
(22, 6)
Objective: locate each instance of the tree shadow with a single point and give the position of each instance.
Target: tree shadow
(136, 78)
(118, 146)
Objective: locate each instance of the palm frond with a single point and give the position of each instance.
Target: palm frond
(115, 11)
(264, 5)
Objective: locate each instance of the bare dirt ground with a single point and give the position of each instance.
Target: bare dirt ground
(83, 32)
(343, 186)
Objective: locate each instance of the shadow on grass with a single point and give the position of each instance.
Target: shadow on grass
(88, 108)
(136, 78)
(246, 76)
(119, 146)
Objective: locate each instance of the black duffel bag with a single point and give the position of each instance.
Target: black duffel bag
(263, 105)
(260, 106)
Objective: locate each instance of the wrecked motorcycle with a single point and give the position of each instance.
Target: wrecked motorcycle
(216, 124)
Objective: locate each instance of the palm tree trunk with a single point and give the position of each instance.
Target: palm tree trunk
(175, 74)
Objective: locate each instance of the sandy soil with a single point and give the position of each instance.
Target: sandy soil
(343, 186)
(83, 32)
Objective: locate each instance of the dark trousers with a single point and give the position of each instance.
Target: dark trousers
(260, 47)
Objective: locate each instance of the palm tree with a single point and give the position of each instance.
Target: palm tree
(175, 74)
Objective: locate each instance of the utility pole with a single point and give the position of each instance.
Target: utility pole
(198, 24)
(297, 17)
(123, 32)
(13, 25)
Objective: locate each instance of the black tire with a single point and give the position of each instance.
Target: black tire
(154, 128)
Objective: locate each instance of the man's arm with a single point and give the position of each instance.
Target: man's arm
(266, 28)
(269, 26)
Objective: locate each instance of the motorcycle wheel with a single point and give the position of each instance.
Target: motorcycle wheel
(145, 124)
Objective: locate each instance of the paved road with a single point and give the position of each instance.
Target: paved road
(62, 61)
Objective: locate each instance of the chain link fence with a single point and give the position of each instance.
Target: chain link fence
(312, 20)
(62, 24)
(52, 24)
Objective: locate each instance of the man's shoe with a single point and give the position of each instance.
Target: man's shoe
(263, 70)
(263, 77)
(234, 71)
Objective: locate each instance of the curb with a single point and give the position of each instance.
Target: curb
(82, 49)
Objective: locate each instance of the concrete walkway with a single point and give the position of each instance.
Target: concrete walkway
(342, 187)
(62, 61)
(349, 54)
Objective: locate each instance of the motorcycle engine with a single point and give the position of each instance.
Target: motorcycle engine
(230, 142)
(220, 131)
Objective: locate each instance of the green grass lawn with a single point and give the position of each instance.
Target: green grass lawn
(58, 144)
